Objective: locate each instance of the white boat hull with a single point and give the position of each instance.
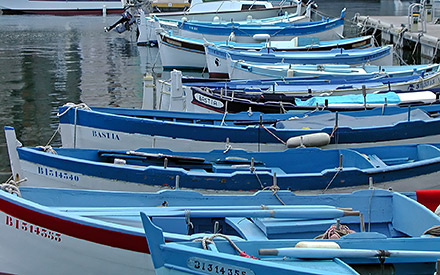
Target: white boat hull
(47, 176)
(175, 57)
(33, 249)
(95, 138)
(147, 26)
(86, 137)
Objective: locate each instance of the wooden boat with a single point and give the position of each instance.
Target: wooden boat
(365, 253)
(222, 101)
(99, 231)
(61, 7)
(327, 29)
(82, 128)
(239, 69)
(217, 64)
(298, 16)
(172, 25)
(84, 231)
(225, 10)
(185, 53)
(195, 258)
(324, 85)
(231, 170)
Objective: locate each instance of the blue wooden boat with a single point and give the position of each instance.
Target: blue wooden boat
(324, 84)
(232, 101)
(81, 231)
(239, 69)
(326, 29)
(197, 258)
(217, 63)
(228, 170)
(216, 251)
(177, 52)
(107, 128)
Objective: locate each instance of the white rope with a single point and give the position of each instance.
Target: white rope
(12, 187)
(71, 105)
(339, 169)
(54, 134)
(48, 149)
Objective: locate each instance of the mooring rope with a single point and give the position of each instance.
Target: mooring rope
(47, 149)
(71, 105)
(210, 240)
(275, 136)
(53, 135)
(274, 188)
(338, 169)
(11, 186)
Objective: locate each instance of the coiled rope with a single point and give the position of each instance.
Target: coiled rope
(433, 231)
(336, 231)
(11, 186)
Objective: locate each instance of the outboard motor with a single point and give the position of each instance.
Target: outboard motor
(123, 24)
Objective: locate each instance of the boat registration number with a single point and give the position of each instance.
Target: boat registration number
(32, 229)
(213, 267)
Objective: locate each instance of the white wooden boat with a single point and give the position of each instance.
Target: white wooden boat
(106, 129)
(65, 231)
(210, 11)
(400, 167)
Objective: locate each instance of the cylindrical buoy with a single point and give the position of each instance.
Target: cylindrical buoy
(318, 244)
(261, 37)
(309, 140)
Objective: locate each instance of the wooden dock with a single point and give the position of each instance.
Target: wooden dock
(413, 43)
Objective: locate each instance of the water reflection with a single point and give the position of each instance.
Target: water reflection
(46, 61)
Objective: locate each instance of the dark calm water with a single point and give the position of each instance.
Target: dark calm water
(47, 61)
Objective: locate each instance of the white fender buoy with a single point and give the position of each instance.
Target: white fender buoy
(309, 140)
(261, 37)
(318, 244)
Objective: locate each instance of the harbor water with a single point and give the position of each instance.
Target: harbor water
(47, 61)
